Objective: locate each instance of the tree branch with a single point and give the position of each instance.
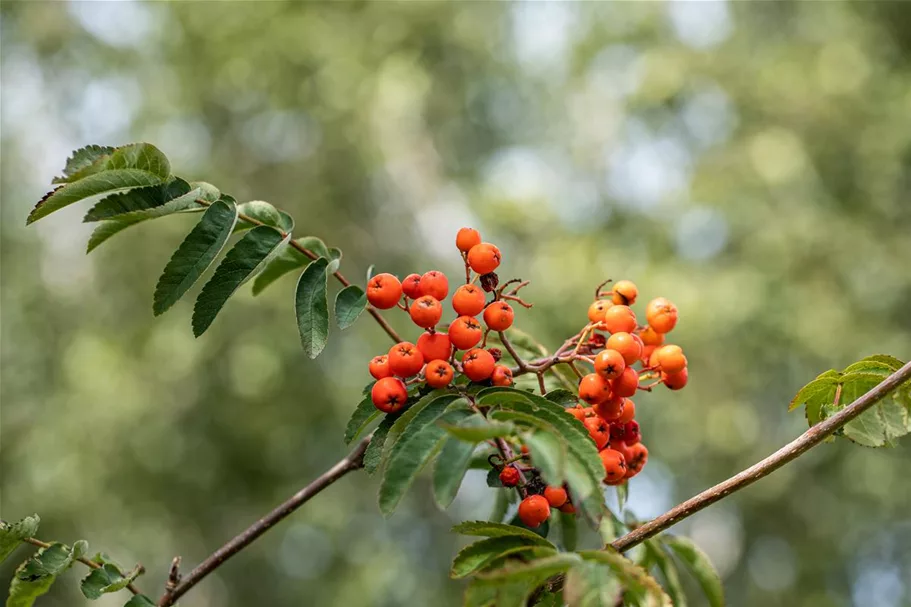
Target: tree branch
(87, 562)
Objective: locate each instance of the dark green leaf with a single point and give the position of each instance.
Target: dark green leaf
(35, 576)
(633, 577)
(426, 410)
(258, 210)
(700, 566)
(476, 428)
(562, 397)
(12, 534)
(315, 246)
(569, 532)
(176, 191)
(492, 529)
(349, 304)
(450, 469)
(288, 260)
(84, 161)
(139, 600)
(479, 555)
(312, 308)
(373, 456)
(243, 262)
(363, 414)
(104, 580)
(194, 255)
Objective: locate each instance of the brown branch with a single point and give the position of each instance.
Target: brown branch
(352, 461)
(88, 562)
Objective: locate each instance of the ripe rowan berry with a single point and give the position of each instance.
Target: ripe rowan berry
(611, 409)
(671, 359)
(653, 359)
(627, 383)
(379, 367)
(594, 389)
(619, 319)
(596, 310)
(638, 457)
(631, 434)
(411, 286)
(578, 412)
(598, 430)
(555, 496)
(647, 354)
(621, 447)
(435, 346)
(498, 316)
(389, 394)
(675, 381)
(405, 359)
(477, 364)
(568, 508)
(465, 332)
(609, 364)
(468, 300)
(534, 510)
(650, 337)
(426, 311)
(438, 373)
(484, 258)
(627, 345)
(501, 376)
(614, 465)
(509, 476)
(467, 238)
(628, 412)
(617, 431)
(435, 283)
(384, 291)
(661, 315)
(625, 293)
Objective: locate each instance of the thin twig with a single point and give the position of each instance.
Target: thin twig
(89, 563)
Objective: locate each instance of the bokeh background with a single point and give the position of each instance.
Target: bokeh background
(750, 161)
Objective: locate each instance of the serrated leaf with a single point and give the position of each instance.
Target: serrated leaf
(569, 530)
(373, 456)
(549, 455)
(633, 577)
(12, 534)
(194, 255)
(104, 580)
(479, 555)
(363, 414)
(315, 246)
(562, 397)
(288, 260)
(591, 585)
(668, 569)
(139, 600)
(258, 210)
(819, 391)
(476, 428)
(533, 572)
(312, 308)
(700, 566)
(450, 469)
(247, 258)
(878, 426)
(426, 410)
(350, 303)
(494, 529)
(35, 576)
(136, 200)
(83, 162)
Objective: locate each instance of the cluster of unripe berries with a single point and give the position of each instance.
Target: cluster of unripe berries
(432, 359)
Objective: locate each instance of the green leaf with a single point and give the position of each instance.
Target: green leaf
(493, 529)
(668, 569)
(524, 341)
(142, 199)
(886, 420)
(477, 595)
(877, 362)
(479, 555)
(562, 397)
(261, 211)
(12, 534)
(35, 576)
(335, 259)
(363, 414)
(427, 410)
(315, 246)
(622, 495)
(84, 161)
(349, 305)
(288, 260)
(633, 577)
(194, 255)
(700, 566)
(533, 572)
(312, 308)
(591, 584)
(818, 392)
(569, 531)
(139, 600)
(370, 271)
(106, 579)
(450, 469)
(549, 455)
(476, 428)
(243, 262)
(373, 456)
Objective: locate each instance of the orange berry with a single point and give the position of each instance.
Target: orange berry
(650, 337)
(568, 508)
(379, 367)
(501, 376)
(671, 359)
(534, 510)
(598, 430)
(617, 444)
(478, 364)
(467, 238)
(614, 465)
(647, 354)
(435, 346)
(578, 412)
(628, 347)
(405, 359)
(638, 457)
(596, 310)
(620, 319)
(594, 389)
(498, 316)
(426, 311)
(465, 332)
(609, 364)
(438, 373)
(627, 383)
(509, 476)
(411, 286)
(661, 315)
(384, 291)
(675, 381)
(627, 412)
(611, 409)
(555, 496)
(468, 300)
(435, 283)
(653, 359)
(389, 394)
(625, 293)
(484, 258)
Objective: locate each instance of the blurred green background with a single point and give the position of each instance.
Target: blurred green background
(750, 161)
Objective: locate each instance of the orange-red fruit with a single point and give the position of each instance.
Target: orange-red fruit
(596, 310)
(438, 373)
(627, 383)
(468, 300)
(568, 508)
(411, 286)
(598, 430)
(675, 381)
(578, 412)
(638, 457)
(501, 376)
(435, 283)
(509, 476)
(619, 319)
(627, 345)
(465, 332)
(405, 359)
(614, 465)
(650, 337)
(467, 238)
(478, 364)
(389, 394)
(594, 389)
(628, 412)
(384, 291)
(647, 352)
(498, 316)
(661, 315)
(534, 510)
(611, 409)
(435, 346)
(426, 311)
(379, 367)
(625, 293)
(609, 364)
(617, 444)
(484, 258)
(671, 359)
(555, 496)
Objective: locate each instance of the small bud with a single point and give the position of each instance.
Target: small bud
(490, 282)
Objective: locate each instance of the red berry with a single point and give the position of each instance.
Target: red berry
(405, 359)
(435, 283)
(555, 496)
(379, 367)
(434, 346)
(594, 389)
(501, 376)
(627, 383)
(468, 300)
(438, 373)
(609, 364)
(631, 434)
(484, 258)
(384, 291)
(509, 476)
(675, 381)
(478, 364)
(426, 311)
(465, 332)
(638, 457)
(498, 316)
(389, 394)
(534, 510)
(411, 286)
(597, 430)
(614, 465)
(467, 238)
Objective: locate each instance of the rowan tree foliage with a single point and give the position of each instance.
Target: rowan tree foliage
(449, 400)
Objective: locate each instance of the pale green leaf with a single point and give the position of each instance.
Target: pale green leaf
(12, 534)
(475, 557)
(315, 246)
(36, 576)
(633, 577)
(476, 428)
(450, 469)
(591, 584)
(549, 455)
(668, 569)
(533, 572)
(258, 210)
(139, 600)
